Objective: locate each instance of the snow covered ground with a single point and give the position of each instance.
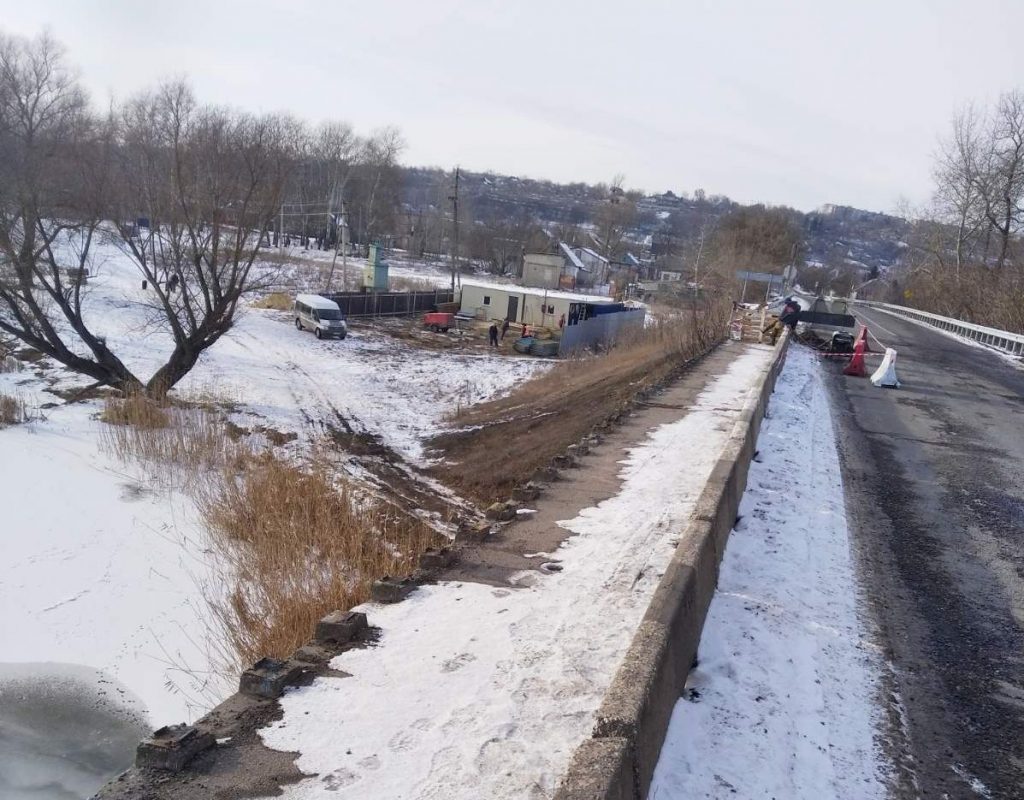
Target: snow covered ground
(308, 268)
(101, 567)
(476, 691)
(782, 702)
(290, 381)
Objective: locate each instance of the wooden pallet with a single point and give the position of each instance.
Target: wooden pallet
(747, 324)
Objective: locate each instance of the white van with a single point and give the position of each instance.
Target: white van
(320, 315)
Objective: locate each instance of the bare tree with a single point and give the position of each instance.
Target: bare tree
(208, 183)
(378, 162)
(53, 179)
(613, 217)
(957, 176)
(188, 191)
(1001, 180)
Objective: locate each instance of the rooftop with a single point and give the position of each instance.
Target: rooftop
(533, 291)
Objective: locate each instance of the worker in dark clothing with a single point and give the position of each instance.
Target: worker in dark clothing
(492, 332)
(790, 314)
(504, 328)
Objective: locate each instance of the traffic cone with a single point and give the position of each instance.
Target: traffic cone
(864, 338)
(856, 366)
(885, 375)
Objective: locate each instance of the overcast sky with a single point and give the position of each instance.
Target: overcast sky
(801, 103)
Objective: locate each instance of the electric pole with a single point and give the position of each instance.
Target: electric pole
(455, 223)
(341, 223)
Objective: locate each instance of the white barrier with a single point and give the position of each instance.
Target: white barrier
(1010, 343)
(885, 375)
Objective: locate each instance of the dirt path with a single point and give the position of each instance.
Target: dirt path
(521, 545)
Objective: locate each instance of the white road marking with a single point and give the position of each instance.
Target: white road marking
(872, 324)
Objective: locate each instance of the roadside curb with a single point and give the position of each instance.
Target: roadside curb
(617, 762)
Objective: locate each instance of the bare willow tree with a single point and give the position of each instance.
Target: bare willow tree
(53, 178)
(188, 191)
(198, 190)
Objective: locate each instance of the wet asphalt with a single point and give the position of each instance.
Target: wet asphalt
(934, 477)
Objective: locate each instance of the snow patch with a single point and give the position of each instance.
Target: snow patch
(782, 703)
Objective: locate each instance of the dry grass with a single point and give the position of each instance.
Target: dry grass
(278, 301)
(407, 284)
(12, 410)
(503, 442)
(289, 543)
(298, 544)
(180, 445)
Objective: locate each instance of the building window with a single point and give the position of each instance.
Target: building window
(487, 299)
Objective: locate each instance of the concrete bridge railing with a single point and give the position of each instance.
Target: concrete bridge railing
(1009, 343)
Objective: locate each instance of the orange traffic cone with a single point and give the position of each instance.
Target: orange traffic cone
(864, 338)
(856, 366)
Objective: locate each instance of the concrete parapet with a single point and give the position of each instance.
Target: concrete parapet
(634, 715)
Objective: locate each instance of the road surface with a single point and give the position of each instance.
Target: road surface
(934, 476)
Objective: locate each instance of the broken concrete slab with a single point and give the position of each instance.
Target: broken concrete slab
(527, 493)
(391, 590)
(340, 626)
(171, 748)
(502, 512)
(473, 531)
(268, 677)
(437, 558)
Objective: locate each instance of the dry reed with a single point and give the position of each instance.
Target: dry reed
(12, 410)
(297, 544)
(288, 543)
(180, 445)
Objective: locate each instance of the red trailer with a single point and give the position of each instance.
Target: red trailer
(438, 321)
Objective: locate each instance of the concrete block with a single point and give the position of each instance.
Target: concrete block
(501, 512)
(314, 653)
(546, 475)
(527, 493)
(601, 769)
(340, 626)
(391, 590)
(473, 531)
(437, 558)
(564, 461)
(170, 748)
(268, 677)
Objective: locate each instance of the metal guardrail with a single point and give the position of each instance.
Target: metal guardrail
(1010, 343)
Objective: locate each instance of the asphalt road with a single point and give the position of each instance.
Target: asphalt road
(934, 476)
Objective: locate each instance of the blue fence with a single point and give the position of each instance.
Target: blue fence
(603, 330)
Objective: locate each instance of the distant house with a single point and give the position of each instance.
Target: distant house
(543, 270)
(575, 271)
(530, 304)
(594, 262)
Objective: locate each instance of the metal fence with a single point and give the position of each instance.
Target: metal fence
(1011, 343)
(388, 304)
(603, 329)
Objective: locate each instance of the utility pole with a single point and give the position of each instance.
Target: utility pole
(343, 224)
(344, 246)
(455, 206)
